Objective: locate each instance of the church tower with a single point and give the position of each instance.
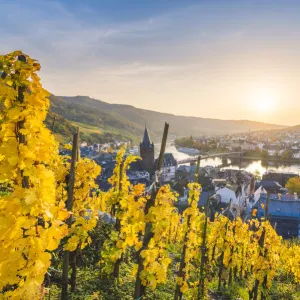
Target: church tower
(147, 153)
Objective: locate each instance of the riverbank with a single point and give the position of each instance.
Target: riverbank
(273, 159)
(250, 165)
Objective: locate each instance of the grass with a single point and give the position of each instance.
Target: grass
(233, 292)
(87, 128)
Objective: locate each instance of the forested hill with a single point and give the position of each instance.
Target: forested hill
(99, 120)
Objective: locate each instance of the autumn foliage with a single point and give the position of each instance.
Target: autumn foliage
(293, 185)
(33, 213)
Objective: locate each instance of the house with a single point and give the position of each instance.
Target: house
(237, 176)
(281, 178)
(180, 187)
(235, 144)
(183, 201)
(185, 174)
(208, 169)
(206, 183)
(246, 146)
(135, 173)
(296, 155)
(169, 166)
(260, 146)
(105, 147)
(270, 186)
(283, 213)
(226, 195)
(182, 172)
(136, 177)
(219, 183)
(96, 147)
(272, 152)
(214, 174)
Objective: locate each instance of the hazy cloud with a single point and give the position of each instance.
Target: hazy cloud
(209, 54)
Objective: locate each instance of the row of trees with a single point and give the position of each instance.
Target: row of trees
(286, 155)
(190, 142)
(53, 203)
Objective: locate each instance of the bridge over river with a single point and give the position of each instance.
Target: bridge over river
(194, 159)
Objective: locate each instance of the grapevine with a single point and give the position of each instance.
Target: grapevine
(31, 221)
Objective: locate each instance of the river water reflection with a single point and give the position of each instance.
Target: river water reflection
(248, 165)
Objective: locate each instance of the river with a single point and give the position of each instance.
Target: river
(248, 165)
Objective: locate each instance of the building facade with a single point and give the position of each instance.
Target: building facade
(168, 171)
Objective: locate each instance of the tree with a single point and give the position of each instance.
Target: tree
(287, 155)
(293, 185)
(264, 154)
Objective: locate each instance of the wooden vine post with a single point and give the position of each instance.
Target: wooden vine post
(116, 270)
(69, 204)
(140, 289)
(254, 293)
(267, 206)
(221, 266)
(232, 249)
(20, 124)
(74, 254)
(264, 284)
(201, 287)
(178, 294)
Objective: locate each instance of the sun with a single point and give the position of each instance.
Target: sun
(265, 100)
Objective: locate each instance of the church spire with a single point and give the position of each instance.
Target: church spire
(146, 139)
(147, 152)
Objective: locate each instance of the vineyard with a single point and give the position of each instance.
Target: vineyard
(55, 243)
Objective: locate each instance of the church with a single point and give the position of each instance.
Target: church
(147, 153)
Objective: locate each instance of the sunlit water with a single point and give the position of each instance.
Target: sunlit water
(248, 165)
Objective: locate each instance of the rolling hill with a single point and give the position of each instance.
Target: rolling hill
(293, 129)
(100, 121)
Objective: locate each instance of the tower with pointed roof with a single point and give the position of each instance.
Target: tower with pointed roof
(147, 152)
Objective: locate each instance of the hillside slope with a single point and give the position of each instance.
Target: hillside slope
(293, 129)
(129, 121)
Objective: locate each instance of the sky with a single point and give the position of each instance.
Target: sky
(206, 58)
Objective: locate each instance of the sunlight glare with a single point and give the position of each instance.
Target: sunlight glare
(265, 101)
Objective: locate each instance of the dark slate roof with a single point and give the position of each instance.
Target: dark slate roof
(201, 203)
(203, 198)
(183, 168)
(146, 143)
(287, 207)
(269, 185)
(136, 166)
(169, 160)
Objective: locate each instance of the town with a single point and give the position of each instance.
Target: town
(234, 192)
(283, 145)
